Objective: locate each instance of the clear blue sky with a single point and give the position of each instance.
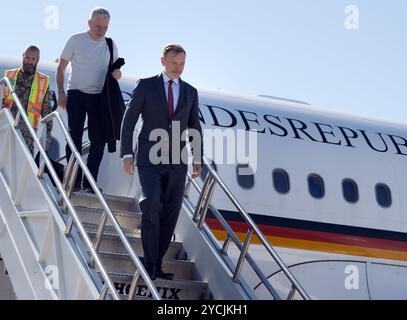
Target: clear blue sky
(298, 49)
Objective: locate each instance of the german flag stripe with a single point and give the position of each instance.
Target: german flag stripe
(317, 236)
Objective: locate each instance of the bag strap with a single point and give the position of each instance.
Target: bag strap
(109, 42)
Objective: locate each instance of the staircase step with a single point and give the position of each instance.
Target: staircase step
(90, 200)
(122, 263)
(110, 230)
(128, 220)
(167, 289)
(112, 243)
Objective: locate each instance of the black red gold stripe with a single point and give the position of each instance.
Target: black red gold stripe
(316, 236)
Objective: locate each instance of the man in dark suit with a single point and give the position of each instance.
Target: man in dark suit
(168, 106)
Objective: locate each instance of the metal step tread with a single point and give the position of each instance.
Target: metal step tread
(184, 282)
(111, 242)
(167, 289)
(84, 194)
(126, 256)
(122, 263)
(110, 234)
(116, 212)
(114, 202)
(91, 228)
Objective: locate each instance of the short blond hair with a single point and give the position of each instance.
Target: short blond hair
(173, 47)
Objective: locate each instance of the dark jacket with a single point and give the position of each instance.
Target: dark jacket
(112, 105)
(149, 101)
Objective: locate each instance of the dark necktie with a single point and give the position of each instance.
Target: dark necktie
(170, 99)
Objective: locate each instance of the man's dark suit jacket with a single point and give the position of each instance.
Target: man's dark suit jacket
(149, 100)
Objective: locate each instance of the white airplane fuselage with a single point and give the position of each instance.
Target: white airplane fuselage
(306, 162)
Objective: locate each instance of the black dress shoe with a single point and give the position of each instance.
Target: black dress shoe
(164, 275)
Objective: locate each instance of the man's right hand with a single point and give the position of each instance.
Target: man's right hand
(62, 100)
(128, 165)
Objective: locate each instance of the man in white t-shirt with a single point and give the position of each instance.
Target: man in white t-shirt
(89, 56)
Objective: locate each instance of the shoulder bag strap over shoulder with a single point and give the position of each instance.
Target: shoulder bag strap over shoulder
(109, 42)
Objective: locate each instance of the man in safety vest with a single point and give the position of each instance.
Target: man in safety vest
(32, 89)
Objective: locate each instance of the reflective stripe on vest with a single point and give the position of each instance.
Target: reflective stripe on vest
(37, 94)
(7, 98)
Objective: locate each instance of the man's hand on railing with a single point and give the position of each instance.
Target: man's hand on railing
(197, 168)
(62, 100)
(128, 165)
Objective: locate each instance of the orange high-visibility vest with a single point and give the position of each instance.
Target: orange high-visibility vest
(37, 94)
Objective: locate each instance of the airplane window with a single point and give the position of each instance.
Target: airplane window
(245, 176)
(204, 171)
(316, 186)
(281, 181)
(350, 190)
(383, 195)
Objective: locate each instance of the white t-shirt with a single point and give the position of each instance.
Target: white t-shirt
(89, 62)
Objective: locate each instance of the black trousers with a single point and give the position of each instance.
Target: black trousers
(161, 201)
(79, 105)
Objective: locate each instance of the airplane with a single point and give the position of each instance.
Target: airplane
(326, 189)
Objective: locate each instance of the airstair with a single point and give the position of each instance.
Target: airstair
(60, 244)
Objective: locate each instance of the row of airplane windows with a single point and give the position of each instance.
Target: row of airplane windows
(316, 186)
(281, 182)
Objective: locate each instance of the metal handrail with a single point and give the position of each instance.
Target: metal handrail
(21, 113)
(107, 211)
(205, 196)
(84, 145)
(108, 282)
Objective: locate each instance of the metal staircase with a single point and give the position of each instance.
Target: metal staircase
(186, 283)
(43, 242)
(59, 244)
